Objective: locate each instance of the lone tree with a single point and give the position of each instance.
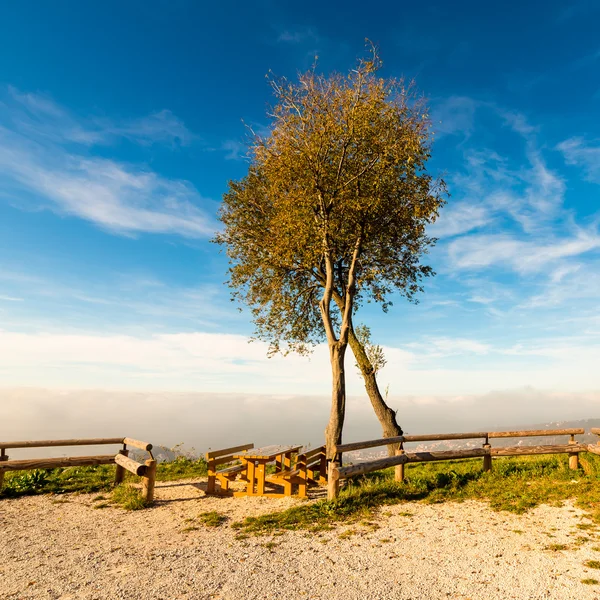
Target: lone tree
(332, 213)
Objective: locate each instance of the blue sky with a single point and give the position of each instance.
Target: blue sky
(121, 123)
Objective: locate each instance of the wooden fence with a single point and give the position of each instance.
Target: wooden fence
(337, 472)
(146, 471)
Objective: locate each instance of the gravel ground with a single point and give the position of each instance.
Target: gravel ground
(60, 547)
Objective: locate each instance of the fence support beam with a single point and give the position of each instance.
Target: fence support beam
(3, 457)
(120, 471)
(399, 469)
(487, 459)
(148, 481)
(573, 456)
(333, 481)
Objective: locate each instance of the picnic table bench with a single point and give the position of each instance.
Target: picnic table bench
(292, 468)
(255, 462)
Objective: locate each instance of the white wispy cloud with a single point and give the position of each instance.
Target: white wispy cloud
(234, 149)
(511, 215)
(454, 115)
(578, 151)
(228, 363)
(298, 35)
(40, 165)
(522, 255)
(38, 115)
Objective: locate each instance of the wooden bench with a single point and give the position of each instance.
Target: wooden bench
(122, 461)
(214, 458)
(310, 467)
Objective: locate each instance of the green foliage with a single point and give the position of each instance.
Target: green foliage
(334, 205)
(59, 481)
(515, 485)
(212, 518)
(373, 351)
(182, 467)
(128, 497)
(93, 479)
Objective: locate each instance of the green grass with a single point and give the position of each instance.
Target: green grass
(89, 480)
(592, 564)
(128, 497)
(212, 518)
(515, 485)
(556, 547)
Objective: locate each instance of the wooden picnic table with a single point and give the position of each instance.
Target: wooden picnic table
(255, 462)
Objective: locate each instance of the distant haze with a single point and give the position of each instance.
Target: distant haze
(200, 421)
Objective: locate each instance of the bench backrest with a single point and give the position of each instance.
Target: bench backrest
(219, 457)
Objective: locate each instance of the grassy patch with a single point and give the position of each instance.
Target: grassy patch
(592, 564)
(182, 467)
(590, 581)
(212, 518)
(556, 547)
(89, 480)
(514, 484)
(128, 497)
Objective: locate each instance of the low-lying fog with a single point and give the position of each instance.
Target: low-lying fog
(200, 420)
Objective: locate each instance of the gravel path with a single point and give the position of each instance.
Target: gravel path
(62, 548)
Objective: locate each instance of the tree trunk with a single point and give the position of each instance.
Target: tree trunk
(333, 433)
(386, 416)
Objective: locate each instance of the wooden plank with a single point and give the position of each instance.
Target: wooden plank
(434, 437)
(594, 448)
(131, 465)
(223, 460)
(415, 457)
(266, 454)
(368, 444)
(595, 430)
(548, 449)
(51, 443)
(368, 467)
(230, 470)
(215, 453)
(535, 433)
(408, 457)
(314, 452)
(53, 463)
(138, 444)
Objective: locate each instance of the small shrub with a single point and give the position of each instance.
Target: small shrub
(556, 547)
(592, 564)
(128, 497)
(212, 518)
(590, 581)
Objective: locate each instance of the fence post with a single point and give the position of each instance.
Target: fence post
(487, 459)
(323, 468)
(399, 470)
(333, 481)
(3, 457)
(149, 480)
(303, 473)
(573, 456)
(120, 472)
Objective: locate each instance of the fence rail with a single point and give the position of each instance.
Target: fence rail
(337, 472)
(146, 471)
